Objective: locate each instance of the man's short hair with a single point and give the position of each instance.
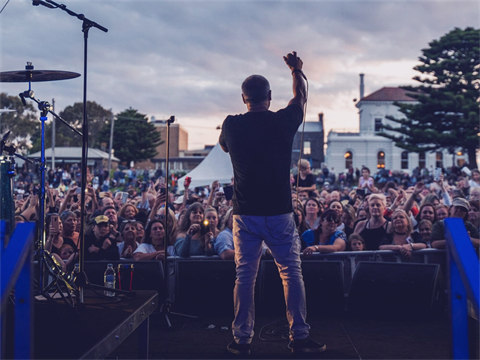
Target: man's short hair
(255, 89)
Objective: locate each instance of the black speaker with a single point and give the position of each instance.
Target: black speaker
(147, 275)
(324, 287)
(204, 286)
(396, 289)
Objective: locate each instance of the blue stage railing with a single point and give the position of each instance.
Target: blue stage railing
(16, 259)
(464, 283)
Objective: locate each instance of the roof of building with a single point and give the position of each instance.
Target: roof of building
(389, 94)
(311, 126)
(74, 153)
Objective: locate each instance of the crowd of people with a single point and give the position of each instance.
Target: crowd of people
(133, 224)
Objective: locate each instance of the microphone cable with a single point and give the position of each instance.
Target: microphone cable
(301, 146)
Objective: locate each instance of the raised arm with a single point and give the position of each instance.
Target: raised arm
(295, 64)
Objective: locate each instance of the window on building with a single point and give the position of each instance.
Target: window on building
(380, 160)
(378, 125)
(404, 156)
(348, 159)
(307, 148)
(421, 160)
(439, 159)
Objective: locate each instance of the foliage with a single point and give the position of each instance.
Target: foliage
(446, 115)
(23, 122)
(73, 115)
(134, 138)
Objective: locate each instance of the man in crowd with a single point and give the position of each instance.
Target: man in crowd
(260, 147)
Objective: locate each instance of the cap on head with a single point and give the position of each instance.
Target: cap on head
(461, 202)
(179, 200)
(101, 219)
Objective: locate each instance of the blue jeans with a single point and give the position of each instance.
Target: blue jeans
(281, 236)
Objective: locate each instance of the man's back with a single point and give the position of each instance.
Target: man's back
(260, 146)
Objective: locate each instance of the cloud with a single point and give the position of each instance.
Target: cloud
(188, 58)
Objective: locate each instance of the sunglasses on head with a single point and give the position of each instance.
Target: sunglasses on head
(129, 221)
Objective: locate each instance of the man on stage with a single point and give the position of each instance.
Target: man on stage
(260, 146)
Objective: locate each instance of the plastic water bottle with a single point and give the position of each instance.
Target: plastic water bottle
(109, 280)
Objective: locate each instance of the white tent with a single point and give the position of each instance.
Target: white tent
(215, 166)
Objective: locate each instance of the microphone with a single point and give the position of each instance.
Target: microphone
(40, 2)
(23, 99)
(26, 94)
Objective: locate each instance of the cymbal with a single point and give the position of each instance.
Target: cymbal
(36, 75)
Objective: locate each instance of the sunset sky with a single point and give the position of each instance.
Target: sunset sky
(189, 58)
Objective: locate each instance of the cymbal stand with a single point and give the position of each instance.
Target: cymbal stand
(45, 108)
(86, 25)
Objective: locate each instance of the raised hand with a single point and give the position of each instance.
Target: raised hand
(293, 61)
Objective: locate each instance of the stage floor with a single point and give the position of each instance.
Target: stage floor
(345, 337)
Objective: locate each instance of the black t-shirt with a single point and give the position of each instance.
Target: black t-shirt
(309, 181)
(260, 147)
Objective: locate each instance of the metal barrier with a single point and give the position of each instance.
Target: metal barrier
(464, 272)
(197, 277)
(16, 261)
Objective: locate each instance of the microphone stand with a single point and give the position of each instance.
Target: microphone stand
(166, 305)
(86, 25)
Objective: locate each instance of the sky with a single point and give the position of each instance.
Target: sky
(189, 58)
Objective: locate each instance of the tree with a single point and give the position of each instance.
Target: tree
(446, 115)
(22, 123)
(73, 114)
(134, 138)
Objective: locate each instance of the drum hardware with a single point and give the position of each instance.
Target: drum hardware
(86, 25)
(30, 75)
(45, 261)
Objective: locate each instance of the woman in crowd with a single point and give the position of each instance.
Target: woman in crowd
(348, 216)
(403, 239)
(180, 215)
(366, 181)
(427, 212)
(312, 213)
(442, 212)
(100, 242)
(128, 211)
(338, 208)
(356, 243)
(153, 248)
(431, 199)
(190, 239)
(224, 242)
(171, 224)
(473, 213)
(376, 228)
(425, 229)
(326, 238)
(211, 216)
(127, 247)
(362, 214)
(69, 221)
(302, 225)
(140, 232)
(475, 180)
